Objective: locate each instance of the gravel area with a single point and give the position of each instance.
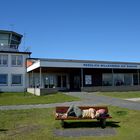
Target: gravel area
(85, 132)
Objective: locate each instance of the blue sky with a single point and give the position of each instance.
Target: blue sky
(76, 29)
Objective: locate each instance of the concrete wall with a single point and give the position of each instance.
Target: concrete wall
(111, 88)
(42, 91)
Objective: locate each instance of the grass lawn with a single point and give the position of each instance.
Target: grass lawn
(20, 98)
(39, 124)
(130, 94)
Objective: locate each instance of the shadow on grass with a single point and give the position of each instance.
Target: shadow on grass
(1, 93)
(3, 130)
(78, 124)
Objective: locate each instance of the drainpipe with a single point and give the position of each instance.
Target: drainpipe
(40, 77)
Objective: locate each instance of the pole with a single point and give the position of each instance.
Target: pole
(81, 77)
(40, 85)
(112, 77)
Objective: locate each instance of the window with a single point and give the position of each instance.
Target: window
(3, 60)
(4, 39)
(107, 79)
(58, 81)
(16, 79)
(3, 79)
(128, 79)
(49, 81)
(62, 81)
(118, 79)
(17, 60)
(135, 79)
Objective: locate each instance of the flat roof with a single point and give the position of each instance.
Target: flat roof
(71, 63)
(83, 61)
(9, 32)
(15, 52)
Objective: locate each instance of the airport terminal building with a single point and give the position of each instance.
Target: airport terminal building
(81, 75)
(19, 72)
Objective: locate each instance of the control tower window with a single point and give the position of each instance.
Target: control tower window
(3, 60)
(17, 60)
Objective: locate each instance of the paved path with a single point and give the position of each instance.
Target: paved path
(94, 98)
(87, 99)
(133, 99)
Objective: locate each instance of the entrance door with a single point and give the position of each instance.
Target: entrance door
(75, 82)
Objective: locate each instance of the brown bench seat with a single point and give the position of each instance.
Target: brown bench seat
(63, 109)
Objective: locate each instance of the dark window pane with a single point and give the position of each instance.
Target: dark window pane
(16, 79)
(3, 78)
(135, 79)
(58, 81)
(64, 81)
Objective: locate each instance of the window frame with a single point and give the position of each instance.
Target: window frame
(6, 80)
(12, 84)
(2, 60)
(16, 63)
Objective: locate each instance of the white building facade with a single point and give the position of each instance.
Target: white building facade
(13, 75)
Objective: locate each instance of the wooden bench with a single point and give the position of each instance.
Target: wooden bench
(63, 109)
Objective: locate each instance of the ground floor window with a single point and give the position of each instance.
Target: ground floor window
(128, 79)
(117, 79)
(135, 79)
(64, 81)
(16, 79)
(61, 81)
(3, 79)
(107, 80)
(49, 81)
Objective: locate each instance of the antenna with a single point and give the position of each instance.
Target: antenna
(27, 49)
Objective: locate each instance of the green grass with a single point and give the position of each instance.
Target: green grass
(131, 94)
(39, 124)
(20, 98)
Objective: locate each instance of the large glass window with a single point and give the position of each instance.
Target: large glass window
(107, 79)
(127, 79)
(118, 79)
(64, 82)
(4, 39)
(17, 60)
(58, 81)
(135, 79)
(49, 81)
(3, 79)
(3, 60)
(16, 79)
(61, 81)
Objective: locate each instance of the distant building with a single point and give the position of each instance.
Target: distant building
(49, 75)
(13, 75)
(19, 72)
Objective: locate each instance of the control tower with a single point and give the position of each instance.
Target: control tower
(9, 41)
